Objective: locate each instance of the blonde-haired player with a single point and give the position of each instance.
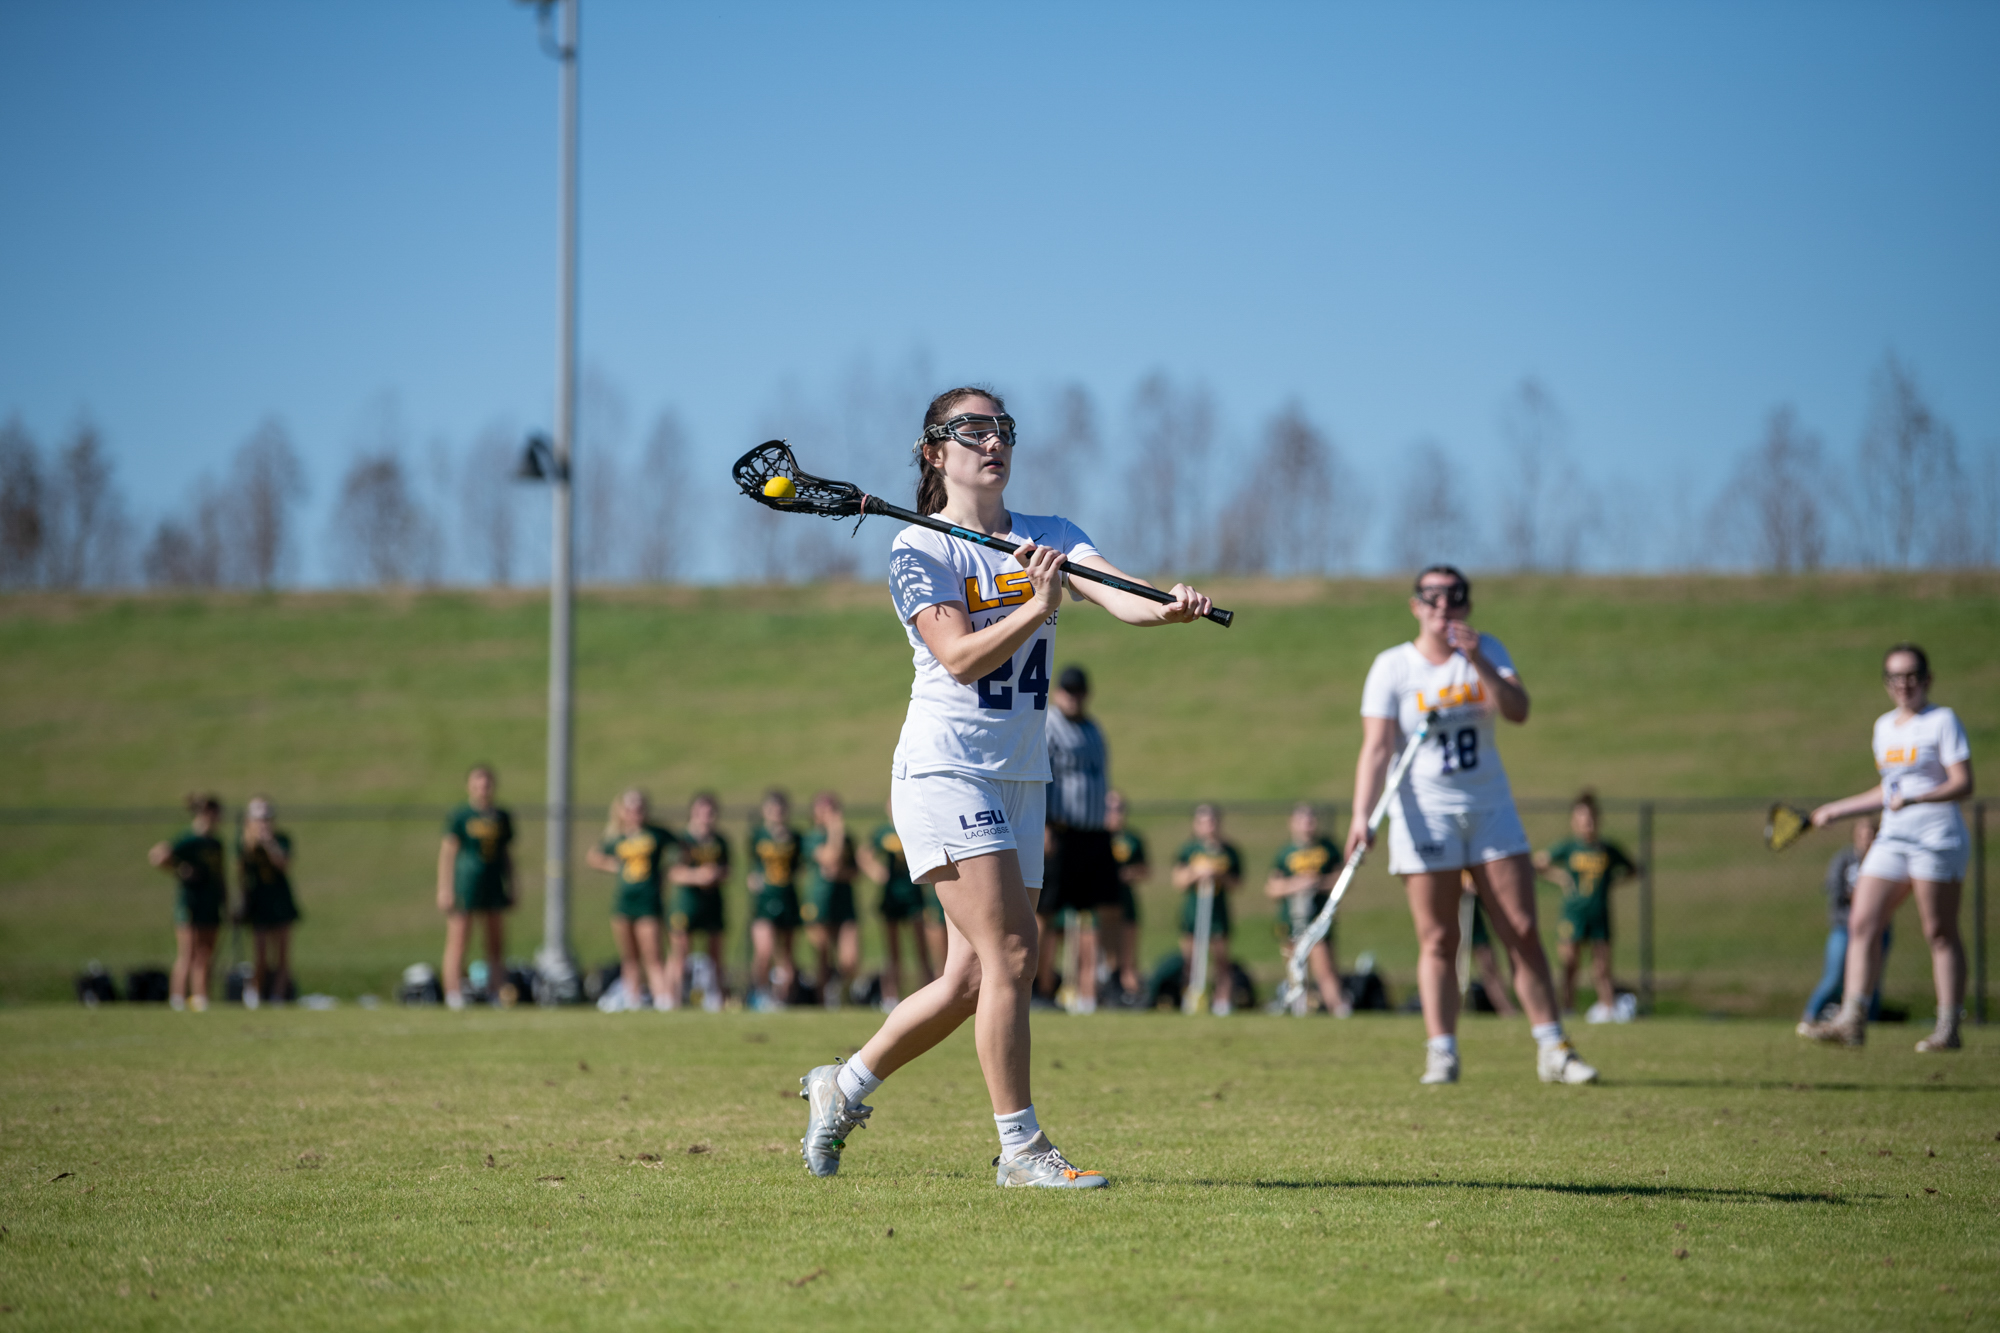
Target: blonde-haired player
(1456, 812)
(637, 851)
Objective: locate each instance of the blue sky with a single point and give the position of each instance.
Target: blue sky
(1677, 216)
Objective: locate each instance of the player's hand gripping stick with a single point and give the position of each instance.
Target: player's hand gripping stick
(1293, 993)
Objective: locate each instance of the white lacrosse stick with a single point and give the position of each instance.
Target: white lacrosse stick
(1294, 989)
(1204, 919)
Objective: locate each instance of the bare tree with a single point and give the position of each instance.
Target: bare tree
(1773, 509)
(86, 542)
(23, 501)
(1284, 518)
(266, 482)
(1909, 472)
(489, 499)
(192, 552)
(1432, 525)
(381, 534)
(1165, 522)
(1058, 455)
(603, 421)
(1547, 510)
(659, 503)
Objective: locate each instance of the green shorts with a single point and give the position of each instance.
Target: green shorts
(268, 908)
(485, 894)
(832, 905)
(197, 909)
(1585, 919)
(1218, 920)
(638, 900)
(901, 900)
(697, 909)
(778, 906)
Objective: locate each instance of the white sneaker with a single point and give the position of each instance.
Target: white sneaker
(1440, 1066)
(1080, 1005)
(1221, 1008)
(1625, 1008)
(711, 1002)
(250, 1000)
(830, 1118)
(1598, 1013)
(1041, 1164)
(1561, 1064)
(454, 1000)
(198, 1003)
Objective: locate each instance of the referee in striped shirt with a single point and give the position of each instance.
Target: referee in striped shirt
(1081, 874)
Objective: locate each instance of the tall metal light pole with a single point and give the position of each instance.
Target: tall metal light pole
(554, 962)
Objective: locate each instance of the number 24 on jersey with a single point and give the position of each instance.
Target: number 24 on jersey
(996, 695)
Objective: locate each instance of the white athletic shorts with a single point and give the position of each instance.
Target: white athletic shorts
(1899, 859)
(956, 816)
(1422, 841)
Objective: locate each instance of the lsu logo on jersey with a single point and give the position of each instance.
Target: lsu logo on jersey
(1902, 754)
(1453, 696)
(1009, 589)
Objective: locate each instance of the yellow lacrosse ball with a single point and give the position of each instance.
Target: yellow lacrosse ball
(780, 488)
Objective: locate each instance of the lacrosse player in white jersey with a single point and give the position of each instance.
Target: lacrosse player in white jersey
(1455, 812)
(970, 773)
(1926, 765)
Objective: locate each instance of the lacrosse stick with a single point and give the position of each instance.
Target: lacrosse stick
(1072, 950)
(1293, 990)
(1204, 923)
(1785, 825)
(770, 475)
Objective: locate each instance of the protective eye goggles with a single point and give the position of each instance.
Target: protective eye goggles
(1455, 595)
(974, 431)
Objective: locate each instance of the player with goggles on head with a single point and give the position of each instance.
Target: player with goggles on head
(970, 774)
(1455, 812)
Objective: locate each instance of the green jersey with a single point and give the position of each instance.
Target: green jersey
(1589, 870)
(1219, 861)
(1128, 848)
(901, 899)
(197, 862)
(267, 889)
(1318, 857)
(830, 898)
(482, 872)
(776, 856)
(642, 857)
(695, 907)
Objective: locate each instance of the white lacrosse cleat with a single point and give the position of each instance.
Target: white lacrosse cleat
(830, 1118)
(1561, 1064)
(1041, 1164)
(1440, 1067)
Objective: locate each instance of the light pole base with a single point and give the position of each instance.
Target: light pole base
(556, 978)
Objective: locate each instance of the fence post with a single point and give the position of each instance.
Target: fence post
(1646, 907)
(1979, 912)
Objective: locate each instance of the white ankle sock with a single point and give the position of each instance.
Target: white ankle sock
(1445, 1045)
(855, 1081)
(1017, 1130)
(1548, 1034)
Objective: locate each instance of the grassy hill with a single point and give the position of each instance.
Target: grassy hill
(1665, 688)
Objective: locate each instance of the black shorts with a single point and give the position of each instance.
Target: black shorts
(1086, 873)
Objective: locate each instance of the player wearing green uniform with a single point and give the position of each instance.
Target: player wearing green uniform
(883, 861)
(1589, 868)
(475, 876)
(1302, 876)
(698, 879)
(637, 851)
(774, 902)
(1128, 849)
(194, 859)
(264, 870)
(828, 910)
(1205, 859)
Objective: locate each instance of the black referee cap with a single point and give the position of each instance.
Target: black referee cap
(1073, 680)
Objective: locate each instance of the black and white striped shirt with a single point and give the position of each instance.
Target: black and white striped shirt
(1079, 772)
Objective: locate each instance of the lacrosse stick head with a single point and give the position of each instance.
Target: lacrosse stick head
(1785, 825)
(810, 495)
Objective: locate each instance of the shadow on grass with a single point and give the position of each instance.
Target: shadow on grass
(1615, 1193)
(1769, 1085)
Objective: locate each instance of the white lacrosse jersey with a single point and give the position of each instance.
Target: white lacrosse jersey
(1458, 770)
(996, 726)
(1912, 757)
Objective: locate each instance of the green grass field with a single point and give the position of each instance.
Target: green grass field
(1678, 688)
(424, 1170)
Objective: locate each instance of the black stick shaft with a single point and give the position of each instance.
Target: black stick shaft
(883, 507)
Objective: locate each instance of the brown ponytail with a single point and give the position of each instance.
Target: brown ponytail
(930, 481)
